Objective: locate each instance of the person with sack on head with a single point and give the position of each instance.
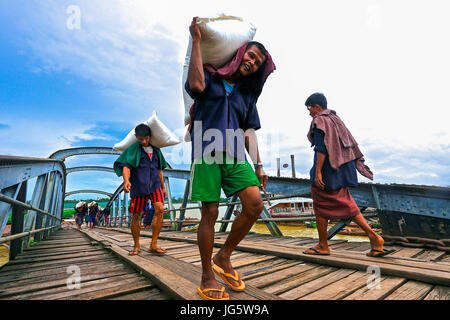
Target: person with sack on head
(225, 107)
(81, 210)
(93, 214)
(141, 166)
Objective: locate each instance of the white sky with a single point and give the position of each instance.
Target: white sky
(383, 66)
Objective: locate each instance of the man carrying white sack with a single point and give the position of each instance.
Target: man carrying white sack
(225, 108)
(141, 166)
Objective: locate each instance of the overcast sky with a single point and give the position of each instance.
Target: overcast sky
(383, 66)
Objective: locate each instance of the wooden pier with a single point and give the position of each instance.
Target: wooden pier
(42, 272)
(272, 267)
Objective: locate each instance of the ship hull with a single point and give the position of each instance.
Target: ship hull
(394, 223)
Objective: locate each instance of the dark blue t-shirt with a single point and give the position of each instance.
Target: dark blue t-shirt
(145, 178)
(217, 110)
(93, 211)
(346, 176)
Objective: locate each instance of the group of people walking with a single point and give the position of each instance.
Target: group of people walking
(90, 214)
(225, 104)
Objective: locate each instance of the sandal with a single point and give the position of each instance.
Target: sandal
(134, 252)
(379, 253)
(221, 273)
(204, 296)
(317, 253)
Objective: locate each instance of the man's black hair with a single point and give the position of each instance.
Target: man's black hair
(260, 47)
(143, 130)
(316, 98)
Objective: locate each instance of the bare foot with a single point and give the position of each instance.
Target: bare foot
(225, 264)
(376, 242)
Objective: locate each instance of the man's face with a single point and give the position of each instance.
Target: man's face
(143, 141)
(314, 110)
(252, 60)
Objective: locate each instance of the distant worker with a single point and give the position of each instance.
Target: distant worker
(336, 159)
(106, 213)
(93, 212)
(141, 166)
(80, 213)
(86, 218)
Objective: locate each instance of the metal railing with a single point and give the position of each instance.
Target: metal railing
(40, 214)
(385, 198)
(388, 199)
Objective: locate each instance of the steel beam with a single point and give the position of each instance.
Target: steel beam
(65, 153)
(89, 168)
(14, 170)
(71, 193)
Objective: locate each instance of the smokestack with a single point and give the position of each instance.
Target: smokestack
(278, 168)
(293, 165)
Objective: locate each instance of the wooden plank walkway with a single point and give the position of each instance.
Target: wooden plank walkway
(273, 268)
(277, 267)
(42, 272)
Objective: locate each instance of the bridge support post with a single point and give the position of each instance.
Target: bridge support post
(271, 225)
(35, 201)
(169, 199)
(5, 208)
(113, 215)
(117, 223)
(227, 215)
(18, 214)
(125, 206)
(184, 204)
(120, 212)
(48, 202)
(40, 216)
(53, 202)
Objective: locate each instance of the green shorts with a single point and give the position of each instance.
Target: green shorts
(208, 178)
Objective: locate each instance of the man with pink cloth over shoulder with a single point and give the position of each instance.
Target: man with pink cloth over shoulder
(337, 158)
(225, 108)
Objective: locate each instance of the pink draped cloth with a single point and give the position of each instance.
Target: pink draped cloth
(340, 144)
(231, 67)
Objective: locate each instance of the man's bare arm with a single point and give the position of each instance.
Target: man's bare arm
(126, 179)
(196, 76)
(251, 144)
(319, 164)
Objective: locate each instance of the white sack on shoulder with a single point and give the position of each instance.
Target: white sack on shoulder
(161, 135)
(222, 36)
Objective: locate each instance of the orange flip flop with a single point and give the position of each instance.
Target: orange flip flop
(221, 273)
(204, 296)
